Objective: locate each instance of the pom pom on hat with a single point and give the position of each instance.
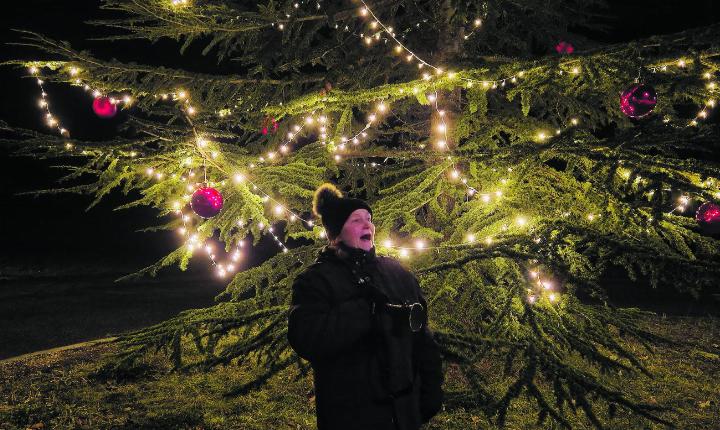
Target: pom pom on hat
(324, 197)
(334, 209)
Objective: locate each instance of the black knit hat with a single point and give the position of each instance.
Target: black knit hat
(334, 209)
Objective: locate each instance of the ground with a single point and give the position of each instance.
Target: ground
(49, 307)
(60, 389)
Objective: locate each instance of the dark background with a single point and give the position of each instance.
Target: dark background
(57, 261)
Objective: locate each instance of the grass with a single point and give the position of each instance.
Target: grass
(60, 389)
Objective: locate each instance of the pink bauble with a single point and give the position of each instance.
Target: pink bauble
(206, 202)
(104, 108)
(564, 47)
(269, 125)
(638, 100)
(708, 217)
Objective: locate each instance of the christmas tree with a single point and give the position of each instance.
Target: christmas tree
(511, 162)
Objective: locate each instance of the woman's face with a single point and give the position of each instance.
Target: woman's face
(358, 231)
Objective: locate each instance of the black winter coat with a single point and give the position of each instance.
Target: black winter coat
(371, 372)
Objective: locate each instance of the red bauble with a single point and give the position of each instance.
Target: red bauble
(206, 202)
(638, 100)
(269, 125)
(564, 47)
(708, 217)
(104, 108)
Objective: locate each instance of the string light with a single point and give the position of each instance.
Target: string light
(43, 103)
(381, 108)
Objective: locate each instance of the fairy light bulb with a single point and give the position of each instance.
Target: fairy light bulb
(521, 221)
(470, 238)
(419, 244)
(278, 210)
(381, 107)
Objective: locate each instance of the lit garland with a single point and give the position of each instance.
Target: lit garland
(281, 209)
(44, 104)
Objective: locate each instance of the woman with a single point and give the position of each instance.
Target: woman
(360, 319)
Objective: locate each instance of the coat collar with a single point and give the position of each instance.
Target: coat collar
(346, 253)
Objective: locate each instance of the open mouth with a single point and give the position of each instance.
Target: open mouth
(366, 237)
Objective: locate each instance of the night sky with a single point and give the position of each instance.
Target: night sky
(55, 232)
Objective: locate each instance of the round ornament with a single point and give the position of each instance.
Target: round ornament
(638, 100)
(708, 217)
(269, 125)
(104, 107)
(206, 202)
(564, 47)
